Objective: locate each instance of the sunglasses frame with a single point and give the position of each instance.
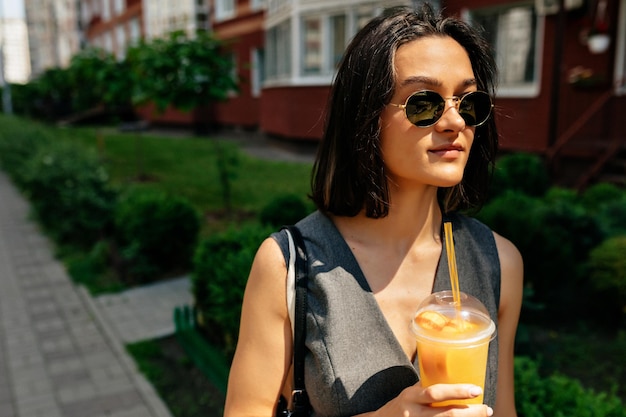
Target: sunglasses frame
(457, 104)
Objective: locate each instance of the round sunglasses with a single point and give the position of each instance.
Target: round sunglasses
(425, 108)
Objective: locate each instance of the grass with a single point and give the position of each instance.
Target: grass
(189, 168)
(180, 384)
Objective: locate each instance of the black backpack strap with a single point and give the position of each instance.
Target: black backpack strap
(300, 399)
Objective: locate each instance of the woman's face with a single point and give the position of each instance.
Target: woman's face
(436, 155)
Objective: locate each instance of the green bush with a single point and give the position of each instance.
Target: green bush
(554, 236)
(156, 234)
(515, 216)
(282, 210)
(70, 192)
(522, 172)
(19, 142)
(607, 269)
(221, 266)
(559, 396)
(612, 217)
(598, 195)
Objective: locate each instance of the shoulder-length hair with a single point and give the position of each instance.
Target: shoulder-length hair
(349, 172)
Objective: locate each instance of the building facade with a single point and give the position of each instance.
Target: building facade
(53, 34)
(111, 25)
(14, 48)
(558, 95)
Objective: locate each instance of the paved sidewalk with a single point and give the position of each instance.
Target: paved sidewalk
(59, 354)
(145, 312)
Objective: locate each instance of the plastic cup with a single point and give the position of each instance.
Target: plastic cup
(453, 344)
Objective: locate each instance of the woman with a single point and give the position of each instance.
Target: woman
(409, 141)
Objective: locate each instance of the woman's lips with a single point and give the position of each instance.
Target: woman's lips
(448, 151)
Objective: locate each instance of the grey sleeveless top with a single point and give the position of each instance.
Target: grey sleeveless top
(354, 363)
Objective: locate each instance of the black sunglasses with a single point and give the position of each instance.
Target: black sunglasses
(425, 108)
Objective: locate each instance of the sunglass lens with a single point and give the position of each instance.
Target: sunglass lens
(475, 108)
(424, 108)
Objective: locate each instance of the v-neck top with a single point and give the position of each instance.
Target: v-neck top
(354, 363)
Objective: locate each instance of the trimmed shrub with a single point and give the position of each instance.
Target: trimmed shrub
(598, 195)
(522, 172)
(612, 217)
(221, 266)
(19, 142)
(282, 210)
(559, 396)
(156, 234)
(70, 192)
(554, 236)
(515, 216)
(607, 269)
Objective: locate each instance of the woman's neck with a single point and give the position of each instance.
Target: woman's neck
(414, 218)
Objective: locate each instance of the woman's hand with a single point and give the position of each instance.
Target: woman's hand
(415, 401)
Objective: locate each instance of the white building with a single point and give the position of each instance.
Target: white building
(52, 32)
(165, 16)
(15, 56)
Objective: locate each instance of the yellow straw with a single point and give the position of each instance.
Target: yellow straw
(454, 276)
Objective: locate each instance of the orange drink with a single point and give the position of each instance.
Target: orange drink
(453, 342)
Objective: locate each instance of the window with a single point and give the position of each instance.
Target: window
(278, 62)
(274, 6)
(234, 71)
(323, 43)
(312, 46)
(620, 57)
(120, 40)
(119, 6)
(257, 4)
(106, 10)
(224, 9)
(135, 31)
(311, 54)
(258, 72)
(516, 33)
(337, 38)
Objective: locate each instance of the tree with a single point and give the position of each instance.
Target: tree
(181, 71)
(109, 81)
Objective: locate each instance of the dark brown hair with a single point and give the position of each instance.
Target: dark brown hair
(349, 173)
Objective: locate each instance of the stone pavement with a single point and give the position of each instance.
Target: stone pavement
(145, 312)
(60, 354)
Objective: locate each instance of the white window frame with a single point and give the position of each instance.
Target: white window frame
(620, 52)
(531, 88)
(224, 9)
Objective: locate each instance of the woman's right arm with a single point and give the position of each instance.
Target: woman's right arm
(264, 349)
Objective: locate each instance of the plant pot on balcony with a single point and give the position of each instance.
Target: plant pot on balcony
(598, 43)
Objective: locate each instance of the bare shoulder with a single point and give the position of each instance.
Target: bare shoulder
(269, 271)
(510, 257)
(512, 269)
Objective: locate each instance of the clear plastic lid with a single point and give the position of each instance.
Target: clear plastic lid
(437, 318)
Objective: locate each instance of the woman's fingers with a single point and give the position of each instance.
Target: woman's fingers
(443, 392)
(422, 398)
